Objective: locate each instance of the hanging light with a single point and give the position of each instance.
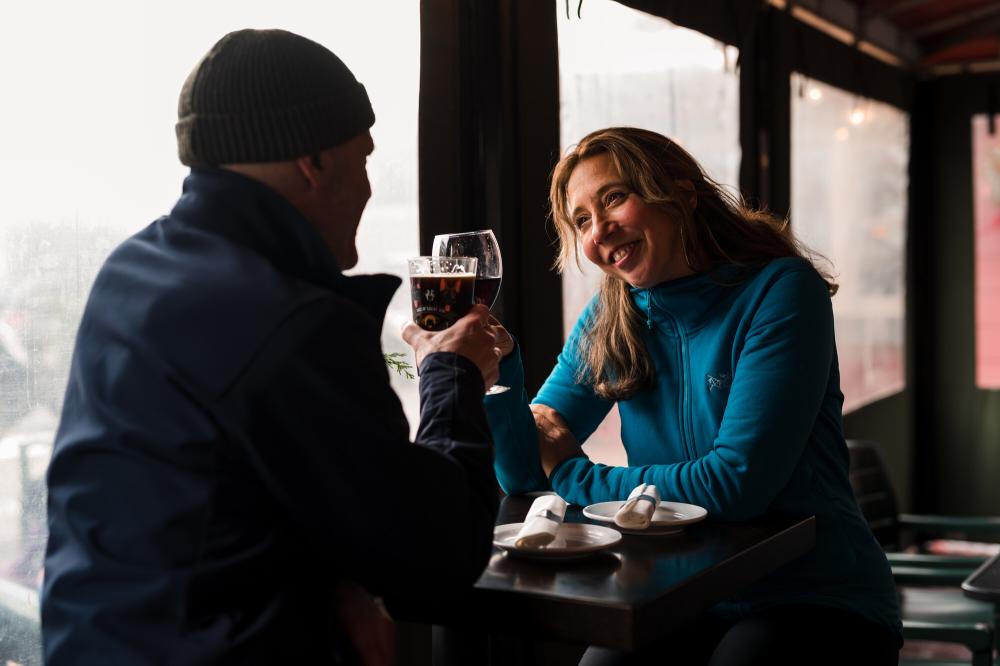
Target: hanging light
(815, 94)
(857, 116)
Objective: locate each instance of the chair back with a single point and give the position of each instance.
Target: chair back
(874, 493)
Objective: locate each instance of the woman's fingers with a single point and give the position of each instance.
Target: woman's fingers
(556, 441)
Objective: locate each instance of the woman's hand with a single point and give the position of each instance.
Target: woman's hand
(555, 442)
(504, 341)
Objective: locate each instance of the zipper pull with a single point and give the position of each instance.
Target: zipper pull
(649, 314)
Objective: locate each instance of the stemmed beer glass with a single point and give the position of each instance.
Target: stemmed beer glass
(489, 271)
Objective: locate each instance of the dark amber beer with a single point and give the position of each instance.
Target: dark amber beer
(442, 290)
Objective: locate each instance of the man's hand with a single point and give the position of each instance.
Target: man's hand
(362, 618)
(555, 442)
(470, 336)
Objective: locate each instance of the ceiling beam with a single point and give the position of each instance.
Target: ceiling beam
(981, 28)
(847, 16)
(890, 9)
(954, 22)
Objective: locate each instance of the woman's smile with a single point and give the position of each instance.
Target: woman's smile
(619, 256)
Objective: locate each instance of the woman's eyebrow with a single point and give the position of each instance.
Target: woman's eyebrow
(600, 192)
(607, 186)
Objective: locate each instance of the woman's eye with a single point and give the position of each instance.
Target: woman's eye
(613, 198)
(581, 220)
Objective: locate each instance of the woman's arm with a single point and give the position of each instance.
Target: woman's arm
(515, 438)
(518, 440)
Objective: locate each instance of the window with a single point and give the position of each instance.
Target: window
(986, 190)
(849, 183)
(89, 157)
(619, 66)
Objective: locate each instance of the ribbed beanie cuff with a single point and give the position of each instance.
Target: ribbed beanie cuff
(267, 96)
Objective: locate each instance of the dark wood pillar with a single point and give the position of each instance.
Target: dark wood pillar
(489, 136)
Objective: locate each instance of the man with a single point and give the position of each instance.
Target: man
(232, 468)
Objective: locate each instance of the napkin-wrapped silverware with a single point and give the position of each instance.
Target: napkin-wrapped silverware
(637, 511)
(542, 522)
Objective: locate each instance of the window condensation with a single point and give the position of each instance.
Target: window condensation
(849, 192)
(89, 157)
(986, 236)
(622, 67)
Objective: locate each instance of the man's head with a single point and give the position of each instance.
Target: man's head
(286, 111)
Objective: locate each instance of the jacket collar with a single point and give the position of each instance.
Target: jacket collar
(688, 302)
(249, 213)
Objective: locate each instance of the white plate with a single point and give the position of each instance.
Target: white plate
(572, 540)
(668, 518)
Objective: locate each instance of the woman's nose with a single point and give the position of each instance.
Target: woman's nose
(603, 227)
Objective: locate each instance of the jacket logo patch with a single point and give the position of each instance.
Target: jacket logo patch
(719, 383)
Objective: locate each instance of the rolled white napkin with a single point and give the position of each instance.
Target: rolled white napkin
(638, 509)
(542, 522)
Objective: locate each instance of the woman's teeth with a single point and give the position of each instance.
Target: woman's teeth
(620, 253)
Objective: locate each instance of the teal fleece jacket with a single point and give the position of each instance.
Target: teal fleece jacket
(744, 419)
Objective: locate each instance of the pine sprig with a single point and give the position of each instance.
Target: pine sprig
(397, 361)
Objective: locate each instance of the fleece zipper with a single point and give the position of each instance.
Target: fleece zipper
(687, 436)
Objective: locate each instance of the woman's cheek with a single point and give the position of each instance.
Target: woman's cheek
(590, 250)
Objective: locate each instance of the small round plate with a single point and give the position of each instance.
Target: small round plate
(668, 518)
(572, 540)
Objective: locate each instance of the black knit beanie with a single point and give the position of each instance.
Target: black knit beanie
(267, 96)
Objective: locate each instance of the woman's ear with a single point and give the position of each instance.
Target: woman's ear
(688, 186)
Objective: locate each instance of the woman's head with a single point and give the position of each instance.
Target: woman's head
(665, 193)
(619, 229)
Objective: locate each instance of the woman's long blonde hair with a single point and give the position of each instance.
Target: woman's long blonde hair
(719, 229)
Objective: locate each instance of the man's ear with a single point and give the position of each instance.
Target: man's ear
(310, 166)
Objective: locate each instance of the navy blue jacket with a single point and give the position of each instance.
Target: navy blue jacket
(230, 448)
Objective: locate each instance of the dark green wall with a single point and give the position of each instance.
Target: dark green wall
(958, 432)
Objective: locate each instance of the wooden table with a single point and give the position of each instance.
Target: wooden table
(625, 596)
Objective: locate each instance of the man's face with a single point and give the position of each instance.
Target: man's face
(341, 196)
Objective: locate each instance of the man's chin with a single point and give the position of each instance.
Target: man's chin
(347, 259)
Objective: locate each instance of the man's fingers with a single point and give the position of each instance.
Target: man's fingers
(408, 331)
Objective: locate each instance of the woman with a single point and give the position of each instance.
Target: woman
(713, 333)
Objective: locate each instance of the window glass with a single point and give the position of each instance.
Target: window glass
(619, 66)
(849, 192)
(88, 156)
(986, 184)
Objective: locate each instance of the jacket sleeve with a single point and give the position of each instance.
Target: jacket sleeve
(517, 463)
(329, 439)
(779, 382)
